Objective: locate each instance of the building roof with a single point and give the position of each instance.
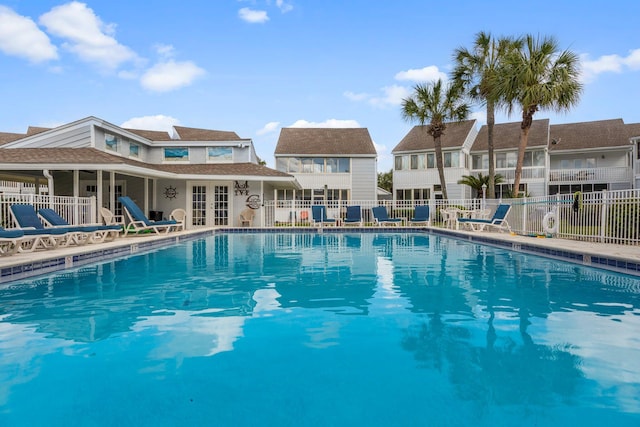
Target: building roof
(598, 134)
(325, 142)
(633, 130)
(153, 135)
(507, 136)
(6, 137)
(195, 134)
(92, 156)
(418, 139)
(33, 130)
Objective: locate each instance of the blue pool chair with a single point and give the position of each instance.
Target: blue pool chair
(354, 216)
(97, 233)
(381, 217)
(139, 222)
(319, 216)
(10, 241)
(420, 216)
(26, 218)
(498, 221)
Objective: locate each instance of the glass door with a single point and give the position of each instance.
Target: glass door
(209, 205)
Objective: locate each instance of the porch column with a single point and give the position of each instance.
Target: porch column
(99, 194)
(112, 191)
(146, 196)
(262, 213)
(76, 194)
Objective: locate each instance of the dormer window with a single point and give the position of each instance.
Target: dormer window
(219, 154)
(111, 142)
(177, 154)
(134, 150)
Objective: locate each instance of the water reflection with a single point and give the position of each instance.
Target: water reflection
(503, 328)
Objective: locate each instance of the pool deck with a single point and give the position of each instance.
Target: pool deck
(621, 258)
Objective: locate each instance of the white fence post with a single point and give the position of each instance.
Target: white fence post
(603, 216)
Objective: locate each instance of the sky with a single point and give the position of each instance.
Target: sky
(256, 66)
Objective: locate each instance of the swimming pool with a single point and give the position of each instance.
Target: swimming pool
(322, 329)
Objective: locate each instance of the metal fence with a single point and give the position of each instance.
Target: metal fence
(76, 210)
(603, 216)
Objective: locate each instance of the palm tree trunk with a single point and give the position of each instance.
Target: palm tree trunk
(524, 138)
(440, 164)
(491, 120)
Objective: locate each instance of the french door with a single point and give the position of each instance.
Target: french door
(210, 204)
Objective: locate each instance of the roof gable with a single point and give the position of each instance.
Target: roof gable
(507, 136)
(325, 142)
(196, 134)
(418, 138)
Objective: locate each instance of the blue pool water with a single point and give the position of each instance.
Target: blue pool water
(324, 329)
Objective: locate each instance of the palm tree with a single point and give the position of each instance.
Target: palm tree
(476, 182)
(436, 103)
(477, 69)
(538, 77)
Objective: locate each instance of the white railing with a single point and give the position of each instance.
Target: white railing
(606, 216)
(528, 173)
(15, 187)
(612, 174)
(76, 210)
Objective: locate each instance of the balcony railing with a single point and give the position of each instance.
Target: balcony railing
(528, 173)
(596, 175)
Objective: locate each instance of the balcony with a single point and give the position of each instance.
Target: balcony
(592, 175)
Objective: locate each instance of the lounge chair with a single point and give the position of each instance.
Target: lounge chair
(10, 241)
(381, 217)
(354, 216)
(498, 220)
(97, 233)
(319, 216)
(180, 216)
(420, 216)
(246, 217)
(138, 221)
(26, 218)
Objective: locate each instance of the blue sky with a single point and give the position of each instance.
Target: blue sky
(253, 67)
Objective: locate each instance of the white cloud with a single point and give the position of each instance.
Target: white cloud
(253, 16)
(21, 37)
(356, 96)
(426, 74)
(87, 36)
(268, 128)
(158, 122)
(608, 64)
(331, 123)
(284, 7)
(393, 95)
(165, 50)
(170, 75)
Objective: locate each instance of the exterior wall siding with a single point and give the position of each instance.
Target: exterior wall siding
(364, 179)
(76, 137)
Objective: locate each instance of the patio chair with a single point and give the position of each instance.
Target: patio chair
(498, 220)
(246, 217)
(26, 218)
(381, 217)
(139, 222)
(180, 216)
(97, 233)
(110, 218)
(354, 216)
(420, 216)
(319, 216)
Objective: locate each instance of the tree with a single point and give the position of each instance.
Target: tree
(436, 103)
(476, 182)
(478, 69)
(538, 77)
(385, 180)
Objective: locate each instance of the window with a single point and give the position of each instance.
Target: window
(451, 160)
(178, 154)
(398, 165)
(480, 161)
(431, 160)
(590, 163)
(414, 161)
(219, 154)
(318, 165)
(111, 142)
(134, 150)
(564, 164)
(295, 165)
(307, 165)
(282, 164)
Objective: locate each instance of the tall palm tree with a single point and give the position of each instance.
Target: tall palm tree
(433, 104)
(478, 69)
(538, 77)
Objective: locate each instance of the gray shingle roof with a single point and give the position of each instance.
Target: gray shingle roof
(6, 137)
(507, 135)
(195, 134)
(598, 134)
(418, 139)
(633, 130)
(92, 156)
(153, 135)
(325, 142)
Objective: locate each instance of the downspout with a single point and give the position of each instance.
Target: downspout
(49, 177)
